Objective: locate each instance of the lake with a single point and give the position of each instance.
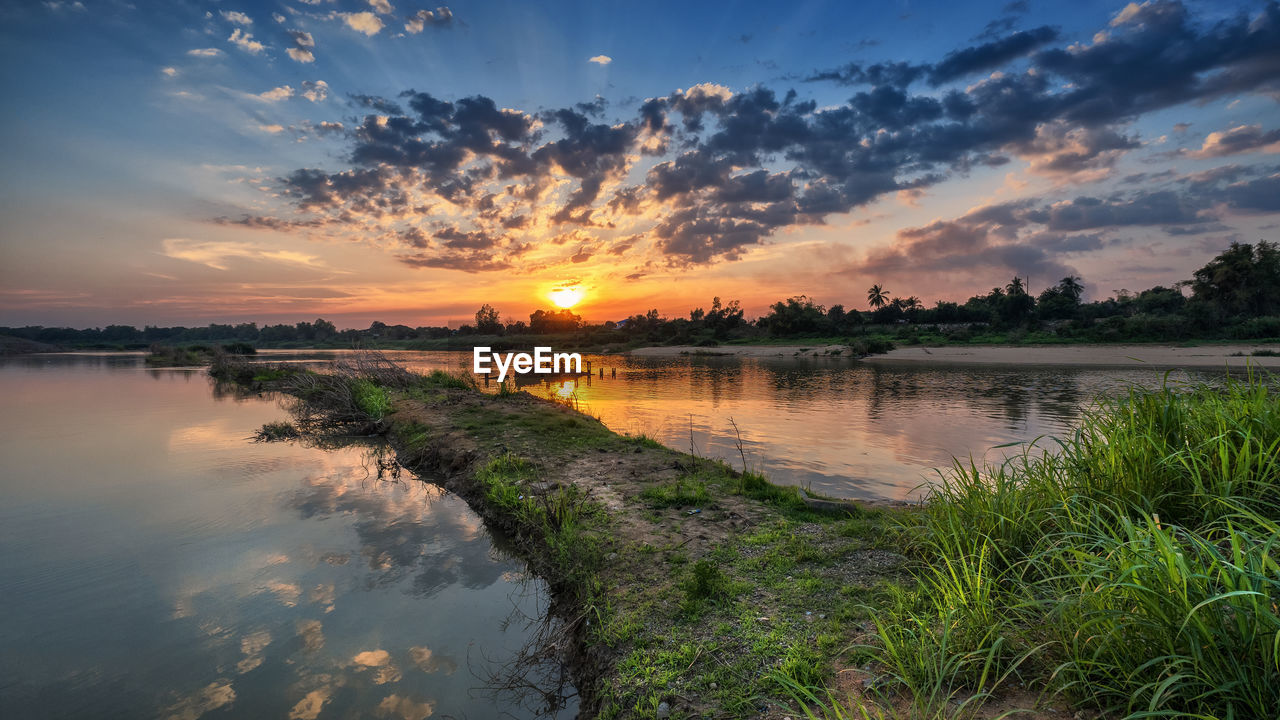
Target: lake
(155, 562)
(841, 427)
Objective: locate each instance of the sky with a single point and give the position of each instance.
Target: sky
(191, 162)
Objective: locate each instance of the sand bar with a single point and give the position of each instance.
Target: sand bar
(1205, 356)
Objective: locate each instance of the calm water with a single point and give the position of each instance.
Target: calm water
(842, 427)
(155, 563)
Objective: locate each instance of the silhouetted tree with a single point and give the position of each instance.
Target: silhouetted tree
(877, 296)
(488, 321)
(1244, 279)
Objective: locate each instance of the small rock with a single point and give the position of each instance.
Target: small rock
(664, 710)
(612, 556)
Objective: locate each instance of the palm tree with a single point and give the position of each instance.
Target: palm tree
(1071, 287)
(877, 296)
(1015, 286)
(912, 303)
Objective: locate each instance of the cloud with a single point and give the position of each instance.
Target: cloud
(600, 59)
(169, 71)
(219, 254)
(315, 91)
(236, 17)
(271, 128)
(382, 7)
(303, 43)
(284, 92)
(245, 42)
(707, 174)
(278, 18)
(204, 52)
(416, 23)
(1237, 140)
(62, 6)
(990, 55)
(363, 22)
(1080, 154)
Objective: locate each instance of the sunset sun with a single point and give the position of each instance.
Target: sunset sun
(566, 297)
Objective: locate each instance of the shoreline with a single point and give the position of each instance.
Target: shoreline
(1126, 355)
(1084, 355)
(677, 580)
(683, 587)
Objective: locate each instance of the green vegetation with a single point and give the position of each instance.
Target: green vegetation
(193, 355)
(372, 399)
(1133, 571)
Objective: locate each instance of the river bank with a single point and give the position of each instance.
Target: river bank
(687, 588)
(1128, 355)
(1199, 356)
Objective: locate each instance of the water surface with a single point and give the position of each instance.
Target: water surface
(156, 563)
(842, 427)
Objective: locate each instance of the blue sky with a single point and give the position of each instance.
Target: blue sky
(746, 150)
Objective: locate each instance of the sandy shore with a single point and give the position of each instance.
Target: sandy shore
(1105, 355)
(743, 350)
(1207, 356)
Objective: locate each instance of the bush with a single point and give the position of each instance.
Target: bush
(372, 399)
(870, 345)
(706, 583)
(1260, 327)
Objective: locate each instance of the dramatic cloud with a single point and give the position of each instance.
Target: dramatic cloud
(441, 17)
(706, 174)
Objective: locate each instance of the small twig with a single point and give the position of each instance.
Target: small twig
(742, 454)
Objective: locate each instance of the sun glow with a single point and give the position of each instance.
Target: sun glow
(566, 297)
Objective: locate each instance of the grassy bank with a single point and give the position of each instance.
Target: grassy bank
(1131, 572)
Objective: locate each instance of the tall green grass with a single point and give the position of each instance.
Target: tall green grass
(1132, 570)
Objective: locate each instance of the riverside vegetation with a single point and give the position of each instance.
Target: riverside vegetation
(1235, 296)
(1131, 572)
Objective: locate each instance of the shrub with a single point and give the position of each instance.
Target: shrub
(372, 399)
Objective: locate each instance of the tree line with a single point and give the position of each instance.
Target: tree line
(1235, 295)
